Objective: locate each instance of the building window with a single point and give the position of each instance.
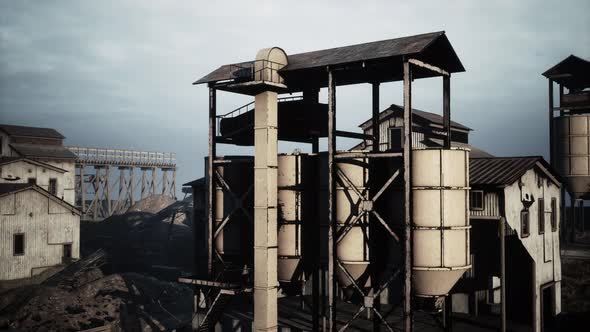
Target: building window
(396, 138)
(553, 214)
(524, 223)
(541, 215)
(476, 200)
(19, 244)
(53, 186)
(32, 181)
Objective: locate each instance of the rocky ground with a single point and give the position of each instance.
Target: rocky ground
(125, 279)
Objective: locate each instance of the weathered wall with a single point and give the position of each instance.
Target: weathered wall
(490, 206)
(47, 225)
(68, 180)
(4, 148)
(543, 248)
(25, 170)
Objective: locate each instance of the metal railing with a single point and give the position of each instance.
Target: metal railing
(244, 109)
(108, 156)
(257, 70)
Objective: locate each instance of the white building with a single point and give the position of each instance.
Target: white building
(39, 226)
(525, 192)
(37, 231)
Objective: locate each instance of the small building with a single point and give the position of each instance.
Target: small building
(39, 225)
(525, 192)
(428, 131)
(38, 230)
(42, 145)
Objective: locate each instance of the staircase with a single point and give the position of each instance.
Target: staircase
(216, 309)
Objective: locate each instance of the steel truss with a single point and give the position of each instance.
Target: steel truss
(106, 182)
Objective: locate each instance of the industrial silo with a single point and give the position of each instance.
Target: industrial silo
(233, 235)
(295, 204)
(352, 249)
(440, 180)
(572, 149)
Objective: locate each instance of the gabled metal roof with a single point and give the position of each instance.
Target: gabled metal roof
(11, 188)
(43, 151)
(10, 160)
(427, 116)
(503, 171)
(572, 72)
(378, 61)
(13, 130)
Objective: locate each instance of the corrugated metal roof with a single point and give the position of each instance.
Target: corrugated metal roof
(43, 151)
(13, 130)
(499, 171)
(430, 117)
(378, 50)
(573, 72)
(195, 183)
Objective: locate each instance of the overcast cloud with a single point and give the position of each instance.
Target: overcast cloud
(118, 73)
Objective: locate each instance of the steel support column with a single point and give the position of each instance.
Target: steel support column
(332, 256)
(447, 109)
(265, 211)
(82, 191)
(551, 133)
(407, 307)
(310, 98)
(210, 180)
(373, 222)
(503, 274)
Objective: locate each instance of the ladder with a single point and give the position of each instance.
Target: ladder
(216, 309)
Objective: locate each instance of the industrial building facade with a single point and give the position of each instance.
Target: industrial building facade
(39, 225)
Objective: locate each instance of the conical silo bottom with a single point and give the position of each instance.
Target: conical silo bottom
(433, 282)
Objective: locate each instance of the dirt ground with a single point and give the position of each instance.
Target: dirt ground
(575, 285)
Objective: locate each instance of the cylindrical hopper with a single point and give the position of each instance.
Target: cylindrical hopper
(573, 153)
(295, 208)
(440, 180)
(352, 249)
(233, 231)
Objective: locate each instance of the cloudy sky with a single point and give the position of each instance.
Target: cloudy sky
(118, 73)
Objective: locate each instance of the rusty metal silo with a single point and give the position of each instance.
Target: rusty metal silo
(440, 191)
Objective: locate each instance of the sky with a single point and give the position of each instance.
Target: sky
(118, 74)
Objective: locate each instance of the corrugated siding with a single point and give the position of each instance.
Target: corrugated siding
(45, 234)
(395, 122)
(491, 207)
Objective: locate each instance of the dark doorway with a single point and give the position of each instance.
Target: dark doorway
(547, 302)
(519, 282)
(67, 254)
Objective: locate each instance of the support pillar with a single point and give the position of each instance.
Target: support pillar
(210, 181)
(332, 256)
(447, 110)
(551, 133)
(107, 188)
(82, 191)
(373, 222)
(407, 306)
(310, 98)
(265, 212)
(503, 274)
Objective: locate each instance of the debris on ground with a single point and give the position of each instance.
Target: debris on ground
(81, 297)
(155, 231)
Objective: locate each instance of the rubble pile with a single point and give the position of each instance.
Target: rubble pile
(155, 231)
(80, 297)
